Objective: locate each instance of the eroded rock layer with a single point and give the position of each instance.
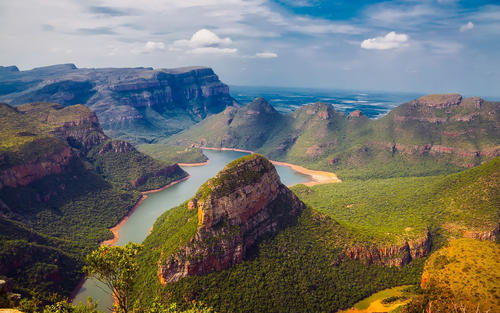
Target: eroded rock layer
(243, 204)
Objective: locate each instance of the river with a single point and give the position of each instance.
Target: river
(140, 222)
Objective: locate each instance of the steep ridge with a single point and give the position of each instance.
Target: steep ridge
(132, 103)
(432, 135)
(240, 206)
(63, 182)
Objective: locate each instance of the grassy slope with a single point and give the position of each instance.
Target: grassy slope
(465, 274)
(88, 187)
(470, 268)
(396, 209)
(383, 301)
(354, 147)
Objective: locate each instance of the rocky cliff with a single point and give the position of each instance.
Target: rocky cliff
(60, 135)
(241, 205)
(392, 255)
(127, 100)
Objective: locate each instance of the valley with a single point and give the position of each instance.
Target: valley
(349, 206)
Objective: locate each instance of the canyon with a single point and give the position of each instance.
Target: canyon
(138, 104)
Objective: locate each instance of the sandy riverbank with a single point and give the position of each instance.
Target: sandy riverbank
(317, 177)
(116, 229)
(194, 164)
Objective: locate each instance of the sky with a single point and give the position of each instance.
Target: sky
(426, 46)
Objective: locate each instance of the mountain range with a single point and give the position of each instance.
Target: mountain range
(431, 135)
(136, 104)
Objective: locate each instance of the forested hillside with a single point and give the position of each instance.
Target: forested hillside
(63, 183)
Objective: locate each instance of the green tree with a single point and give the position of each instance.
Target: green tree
(116, 267)
(66, 307)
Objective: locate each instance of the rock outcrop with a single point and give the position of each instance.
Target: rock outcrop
(440, 100)
(243, 204)
(490, 235)
(393, 255)
(356, 113)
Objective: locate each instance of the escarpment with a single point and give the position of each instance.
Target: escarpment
(392, 255)
(243, 204)
(47, 139)
(128, 101)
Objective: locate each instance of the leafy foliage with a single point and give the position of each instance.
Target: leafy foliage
(116, 267)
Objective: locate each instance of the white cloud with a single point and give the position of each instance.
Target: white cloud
(392, 40)
(266, 55)
(205, 41)
(154, 45)
(466, 27)
(148, 47)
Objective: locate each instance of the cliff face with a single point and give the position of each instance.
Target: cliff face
(60, 135)
(132, 100)
(26, 173)
(243, 204)
(395, 255)
(77, 124)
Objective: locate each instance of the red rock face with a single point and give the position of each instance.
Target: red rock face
(231, 223)
(440, 101)
(396, 255)
(356, 113)
(24, 174)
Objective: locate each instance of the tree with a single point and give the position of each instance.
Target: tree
(66, 307)
(116, 267)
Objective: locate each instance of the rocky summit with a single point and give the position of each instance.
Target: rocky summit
(243, 204)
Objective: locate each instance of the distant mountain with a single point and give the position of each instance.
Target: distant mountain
(431, 135)
(137, 104)
(63, 183)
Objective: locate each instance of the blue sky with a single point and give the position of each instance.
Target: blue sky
(428, 46)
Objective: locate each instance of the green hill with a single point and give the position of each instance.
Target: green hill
(398, 209)
(63, 183)
(341, 249)
(432, 135)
